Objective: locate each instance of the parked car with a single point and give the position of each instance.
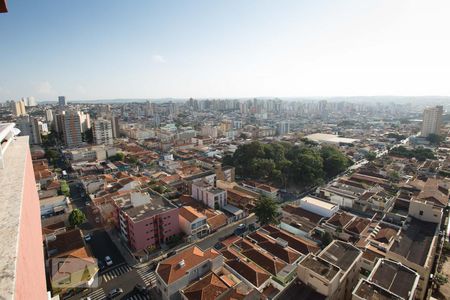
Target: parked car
(114, 293)
(88, 237)
(108, 261)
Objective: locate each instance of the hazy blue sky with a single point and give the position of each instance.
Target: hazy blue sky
(91, 49)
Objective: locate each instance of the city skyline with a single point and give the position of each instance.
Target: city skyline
(107, 50)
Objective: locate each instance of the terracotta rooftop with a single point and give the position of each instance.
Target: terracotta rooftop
(340, 219)
(209, 287)
(217, 221)
(301, 245)
(190, 214)
(171, 270)
(358, 225)
(286, 254)
(254, 274)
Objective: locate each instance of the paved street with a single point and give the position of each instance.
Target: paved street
(214, 238)
(123, 277)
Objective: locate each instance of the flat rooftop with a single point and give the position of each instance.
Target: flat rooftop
(414, 243)
(320, 266)
(318, 202)
(156, 205)
(370, 291)
(395, 278)
(330, 138)
(340, 254)
(299, 290)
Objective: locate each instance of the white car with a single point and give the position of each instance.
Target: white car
(108, 261)
(87, 237)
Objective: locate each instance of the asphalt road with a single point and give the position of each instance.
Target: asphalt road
(102, 246)
(214, 238)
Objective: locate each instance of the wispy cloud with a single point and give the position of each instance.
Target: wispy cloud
(44, 88)
(159, 59)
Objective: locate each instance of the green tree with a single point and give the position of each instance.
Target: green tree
(371, 156)
(435, 139)
(394, 176)
(440, 279)
(118, 157)
(76, 218)
(51, 155)
(334, 162)
(160, 189)
(307, 166)
(65, 189)
(266, 210)
(88, 136)
(326, 239)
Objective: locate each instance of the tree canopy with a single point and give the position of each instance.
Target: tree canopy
(284, 163)
(435, 139)
(266, 210)
(371, 156)
(76, 218)
(118, 157)
(420, 154)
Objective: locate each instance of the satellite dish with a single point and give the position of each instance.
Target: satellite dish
(16, 131)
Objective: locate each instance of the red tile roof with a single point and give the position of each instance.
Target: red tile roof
(210, 287)
(170, 269)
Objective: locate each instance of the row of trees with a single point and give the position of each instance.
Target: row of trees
(284, 163)
(420, 154)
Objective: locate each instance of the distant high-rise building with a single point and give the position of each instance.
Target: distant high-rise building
(115, 126)
(102, 132)
(49, 116)
(62, 100)
(85, 121)
(283, 128)
(29, 101)
(71, 129)
(18, 108)
(29, 126)
(432, 120)
(22, 256)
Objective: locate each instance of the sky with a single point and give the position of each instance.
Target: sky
(110, 49)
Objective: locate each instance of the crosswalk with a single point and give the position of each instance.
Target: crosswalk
(138, 297)
(115, 273)
(149, 277)
(97, 295)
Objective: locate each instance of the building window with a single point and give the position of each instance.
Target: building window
(421, 212)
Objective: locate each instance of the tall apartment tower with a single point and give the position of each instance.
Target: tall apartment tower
(283, 127)
(85, 121)
(49, 116)
(21, 251)
(71, 129)
(18, 108)
(115, 126)
(432, 120)
(29, 126)
(102, 132)
(62, 100)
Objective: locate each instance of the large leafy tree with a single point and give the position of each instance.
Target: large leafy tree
(76, 218)
(334, 162)
(435, 139)
(266, 210)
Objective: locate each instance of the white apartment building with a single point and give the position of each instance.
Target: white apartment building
(102, 132)
(211, 196)
(432, 120)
